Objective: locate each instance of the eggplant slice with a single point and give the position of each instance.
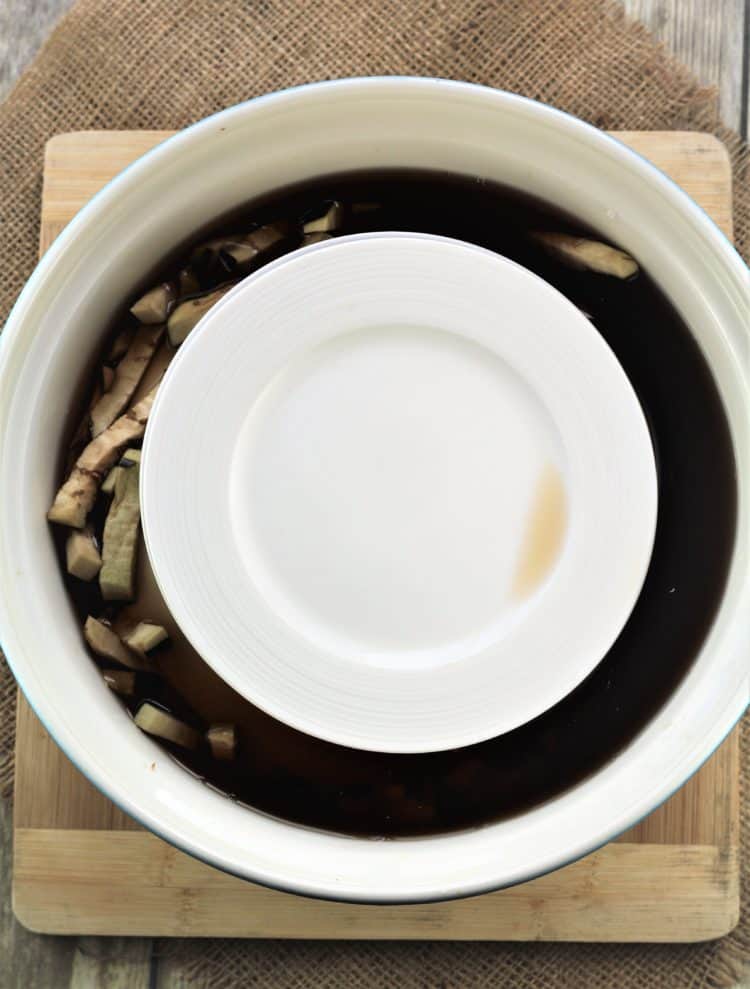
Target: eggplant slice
(145, 636)
(155, 720)
(105, 642)
(120, 541)
(593, 255)
(223, 741)
(127, 375)
(76, 497)
(82, 555)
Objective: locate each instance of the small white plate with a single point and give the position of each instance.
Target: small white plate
(398, 492)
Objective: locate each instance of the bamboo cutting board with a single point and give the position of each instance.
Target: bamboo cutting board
(82, 867)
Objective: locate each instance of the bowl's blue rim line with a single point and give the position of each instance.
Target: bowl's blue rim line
(68, 233)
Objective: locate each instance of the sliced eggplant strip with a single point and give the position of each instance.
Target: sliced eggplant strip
(127, 375)
(154, 720)
(120, 540)
(107, 644)
(580, 252)
(122, 682)
(128, 458)
(156, 304)
(76, 497)
(223, 741)
(325, 219)
(82, 555)
(155, 371)
(239, 252)
(120, 344)
(145, 636)
(188, 313)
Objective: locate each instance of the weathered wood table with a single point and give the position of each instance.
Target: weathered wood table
(712, 37)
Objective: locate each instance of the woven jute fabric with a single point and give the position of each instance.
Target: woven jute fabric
(163, 64)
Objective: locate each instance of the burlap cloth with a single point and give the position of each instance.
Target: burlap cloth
(162, 64)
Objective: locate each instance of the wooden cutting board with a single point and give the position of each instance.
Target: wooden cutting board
(82, 867)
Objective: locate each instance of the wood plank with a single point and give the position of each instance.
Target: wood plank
(112, 963)
(165, 893)
(707, 36)
(27, 961)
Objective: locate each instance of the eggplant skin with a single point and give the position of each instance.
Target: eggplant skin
(120, 540)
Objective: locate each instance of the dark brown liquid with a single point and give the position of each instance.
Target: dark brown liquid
(294, 776)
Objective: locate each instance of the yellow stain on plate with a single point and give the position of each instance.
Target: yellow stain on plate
(545, 529)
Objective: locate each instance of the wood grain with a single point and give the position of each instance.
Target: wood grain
(709, 36)
(111, 963)
(161, 891)
(672, 877)
(26, 961)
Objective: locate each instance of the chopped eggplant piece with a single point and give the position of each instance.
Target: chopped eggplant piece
(76, 497)
(126, 377)
(107, 644)
(580, 252)
(128, 458)
(145, 636)
(120, 345)
(156, 304)
(82, 554)
(238, 252)
(120, 541)
(188, 313)
(315, 238)
(268, 237)
(154, 720)
(122, 682)
(325, 219)
(223, 741)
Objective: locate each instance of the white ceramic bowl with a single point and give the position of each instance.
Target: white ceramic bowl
(192, 178)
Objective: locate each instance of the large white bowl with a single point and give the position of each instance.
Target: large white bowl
(205, 171)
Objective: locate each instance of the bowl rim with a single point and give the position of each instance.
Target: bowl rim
(16, 339)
